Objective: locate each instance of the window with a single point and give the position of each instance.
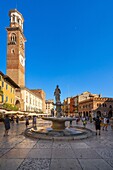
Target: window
(18, 20)
(2, 98)
(12, 51)
(13, 18)
(6, 86)
(2, 84)
(6, 99)
(26, 99)
(13, 38)
(30, 100)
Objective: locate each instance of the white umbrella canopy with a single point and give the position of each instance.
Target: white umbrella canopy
(20, 112)
(11, 112)
(32, 114)
(3, 111)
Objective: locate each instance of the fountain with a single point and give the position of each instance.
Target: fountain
(58, 130)
(58, 122)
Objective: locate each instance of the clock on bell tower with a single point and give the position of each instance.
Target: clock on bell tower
(16, 48)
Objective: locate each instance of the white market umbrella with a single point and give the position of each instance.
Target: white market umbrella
(20, 112)
(32, 114)
(10, 112)
(3, 111)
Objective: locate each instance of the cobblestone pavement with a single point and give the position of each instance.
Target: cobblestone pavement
(20, 153)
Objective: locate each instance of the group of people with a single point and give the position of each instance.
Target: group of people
(104, 122)
(12, 119)
(98, 123)
(7, 121)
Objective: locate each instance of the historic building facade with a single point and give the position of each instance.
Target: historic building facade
(42, 95)
(66, 106)
(96, 106)
(50, 107)
(7, 90)
(30, 101)
(88, 104)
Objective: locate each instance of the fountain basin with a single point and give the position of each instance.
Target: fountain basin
(47, 133)
(58, 124)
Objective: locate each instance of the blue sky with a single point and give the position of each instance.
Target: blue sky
(69, 43)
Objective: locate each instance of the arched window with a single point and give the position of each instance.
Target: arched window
(110, 106)
(12, 51)
(13, 38)
(105, 105)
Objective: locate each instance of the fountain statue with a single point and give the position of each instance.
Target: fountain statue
(58, 104)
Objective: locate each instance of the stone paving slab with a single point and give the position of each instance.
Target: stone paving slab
(35, 164)
(40, 153)
(43, 144)
(86, 153)
(110, 162)
(59, 144)
(10, 164)
(94, 164)
(25, 145)
(65, 164)
(63, 153)
(17, 153)
(3, 151)
(105, 153)
(80, 144)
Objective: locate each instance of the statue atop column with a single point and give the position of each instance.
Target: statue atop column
(57, 93)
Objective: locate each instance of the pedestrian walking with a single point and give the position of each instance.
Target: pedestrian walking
(71, 120)
(105, 123)
(34, 121)
(27, 121)
(97, 124)
(17, 119)
(12, 119)
(7, 125)
(84, 121)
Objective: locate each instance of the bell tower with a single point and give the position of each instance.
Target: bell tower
(16, 48)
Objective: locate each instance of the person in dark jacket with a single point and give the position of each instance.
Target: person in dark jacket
(7, 125)
(97, 124)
